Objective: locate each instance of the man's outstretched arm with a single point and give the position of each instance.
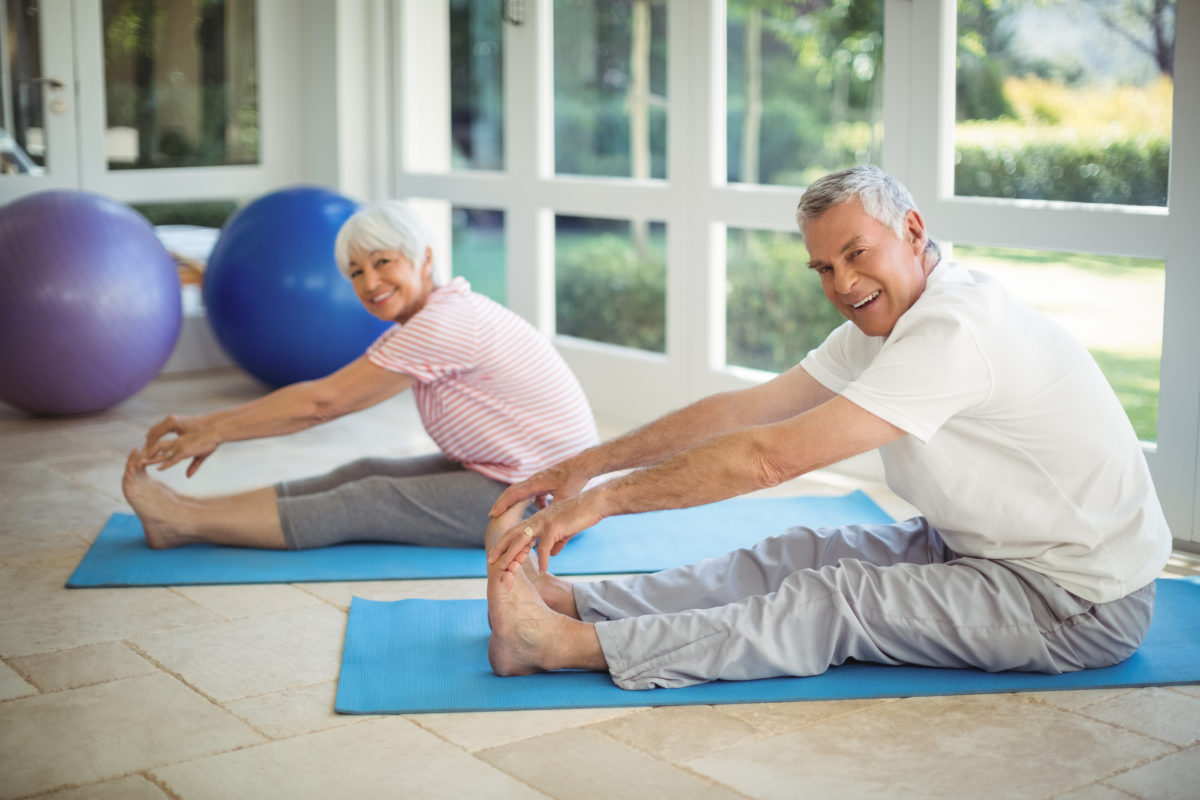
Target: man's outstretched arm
(717, 468)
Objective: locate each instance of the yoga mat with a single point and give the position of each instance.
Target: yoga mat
(411, 656)
(634, 543)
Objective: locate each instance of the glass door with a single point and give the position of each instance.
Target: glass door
(37, 91)
(141, 100)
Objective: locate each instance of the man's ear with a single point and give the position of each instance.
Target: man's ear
(914, 229)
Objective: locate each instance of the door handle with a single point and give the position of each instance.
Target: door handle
(53, 83)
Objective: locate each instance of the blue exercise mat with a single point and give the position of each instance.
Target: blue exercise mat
(634, 543)
(410, 656)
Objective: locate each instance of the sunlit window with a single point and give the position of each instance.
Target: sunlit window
(1069, 100)
(611, 280)
(805, 89)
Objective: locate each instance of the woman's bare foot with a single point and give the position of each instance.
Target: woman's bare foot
(155, 504)
(528, 636)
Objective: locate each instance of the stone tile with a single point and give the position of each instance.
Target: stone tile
(1074, 699)
(1097, 791)
(32, 480)
(17, 549)
(676, 733)
(112, 437)
(1160, 713)
(933, 747)
(83, 666)
(37, 615)
(68, 511)
(13, 685)
(236, 602)
(134, 787)
(776, 718)
(583, 764)
(44, 441)
(255, 655)
(109, 730)
(292, 712)
(340, 594)
(1190, 689)
(482, 729)
(99, 473)
(387, 757)
(1174, 777)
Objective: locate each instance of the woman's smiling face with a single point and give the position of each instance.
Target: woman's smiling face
(389, 285)
(869, 274)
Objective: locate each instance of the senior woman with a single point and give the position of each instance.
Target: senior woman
(492, 392)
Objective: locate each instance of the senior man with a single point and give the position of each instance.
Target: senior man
(1040, 532)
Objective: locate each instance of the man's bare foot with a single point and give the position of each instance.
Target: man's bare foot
(528, 636)
(155, 504)
(557, 593)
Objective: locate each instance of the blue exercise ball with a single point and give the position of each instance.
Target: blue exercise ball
(273, 293)
(90, 306)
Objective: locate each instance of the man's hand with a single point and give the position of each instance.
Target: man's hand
(550, 529)
(560, 482)
(192, 439)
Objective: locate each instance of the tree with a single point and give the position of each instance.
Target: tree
(1155, 19)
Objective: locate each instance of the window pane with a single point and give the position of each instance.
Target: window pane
(805, 89)
(1068, 100)
(181, 83)
(611, 281)
(775, 309)
(22, 130)
(1113, 305)
(610, 88)
(477, 84)
(478, 251)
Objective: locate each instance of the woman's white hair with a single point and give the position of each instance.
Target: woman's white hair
(882, 197)
(390, 225)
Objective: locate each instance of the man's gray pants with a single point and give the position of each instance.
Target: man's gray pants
(801, 602)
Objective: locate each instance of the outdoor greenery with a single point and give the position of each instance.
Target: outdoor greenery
(776, 310)
(208, 214)
(1063, 143)
(805, 83)
(606, 292)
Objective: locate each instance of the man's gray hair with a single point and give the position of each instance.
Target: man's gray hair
(882, 197)
(391, 225)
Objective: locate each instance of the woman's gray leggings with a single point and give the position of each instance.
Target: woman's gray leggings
(428, 500)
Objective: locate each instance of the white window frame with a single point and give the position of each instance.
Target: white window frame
(697, 205)
(277, 98)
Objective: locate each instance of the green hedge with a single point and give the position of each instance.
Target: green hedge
(606, 293)
(776, 310)
(1129, 171)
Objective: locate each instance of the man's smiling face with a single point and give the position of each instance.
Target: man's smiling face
(869, 274)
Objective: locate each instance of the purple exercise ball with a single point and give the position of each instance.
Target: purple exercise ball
(89, 302)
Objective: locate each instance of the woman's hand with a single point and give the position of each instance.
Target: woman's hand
(188, 437)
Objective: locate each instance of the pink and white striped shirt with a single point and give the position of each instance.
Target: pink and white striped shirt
(491, 390)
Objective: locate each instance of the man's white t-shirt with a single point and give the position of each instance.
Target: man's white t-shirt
(1017, 448)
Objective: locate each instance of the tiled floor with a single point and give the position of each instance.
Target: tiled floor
(219, 692)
